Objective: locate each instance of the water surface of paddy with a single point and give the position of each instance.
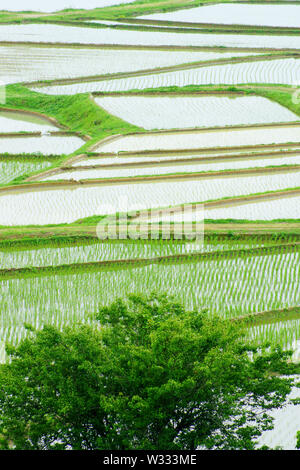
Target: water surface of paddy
(66, 34)
(285, 207)
(14, 121)
(202, 139)
(234, 14)
(45, 144)
(194, 111)
(74, 203)
(58, 5)
(283, 71)
(31, 63)
(173, 168)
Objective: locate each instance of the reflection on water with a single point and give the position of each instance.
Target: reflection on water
(17, 122)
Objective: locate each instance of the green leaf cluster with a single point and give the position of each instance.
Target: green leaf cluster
(146, 375)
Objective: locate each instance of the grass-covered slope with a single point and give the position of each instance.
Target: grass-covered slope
(78, 113)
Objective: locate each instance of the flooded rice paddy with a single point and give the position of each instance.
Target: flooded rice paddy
(32, 63)
(44, 144)
(283, 71)
(202, 139)
(70, 204)
(235, 14)
(48, 33)
(189, 112)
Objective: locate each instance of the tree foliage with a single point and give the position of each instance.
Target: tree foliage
(153, 376)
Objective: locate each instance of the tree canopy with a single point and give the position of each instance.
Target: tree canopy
(146, 375)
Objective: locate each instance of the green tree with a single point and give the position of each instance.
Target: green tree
(153, 376)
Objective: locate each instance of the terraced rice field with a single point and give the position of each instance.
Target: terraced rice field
(274, 207)
(163, 168)
(185, 156)
(279, 208)
(236, 14)
(31, 63)
(284, 71)
(43, 144)
(190, 112)
(96, 251)
(12, 168)
(171, 148)
(57, 5)
(67, 205)
(196, 140)
(48, 33)
(223, 285)
(21, 122)
(60, 299)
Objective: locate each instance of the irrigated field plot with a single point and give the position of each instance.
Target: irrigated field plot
(211, 155)
(58, 5)
(283, 207)
(284, 71)
(43, 144)
(68, 205)
(224, 286)
(236, 14)
(32, 63)
(163, 168)
(17, 166)
(13, 121)
(59, 253)
(48, 33)
(202, 139)
(189, 112)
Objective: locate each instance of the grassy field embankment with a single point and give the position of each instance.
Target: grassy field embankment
(77, 114)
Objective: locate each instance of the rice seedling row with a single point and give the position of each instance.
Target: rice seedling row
(136, 159)
(228, 287)
(49, 33)
(286, 333)
(39, 256)
(165, 169)
(188, 112)
(67, 205)
(283, 71)
(13, 168)
(64, 279)
(235, 14)
(43, 145)
(202, 139)
(30, 63)
(284, 207)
